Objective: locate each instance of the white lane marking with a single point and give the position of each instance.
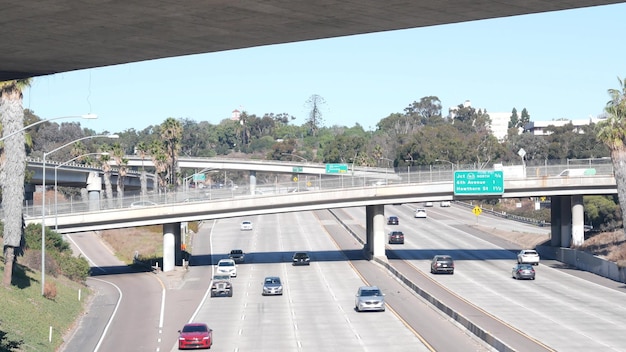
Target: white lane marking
(117, 305)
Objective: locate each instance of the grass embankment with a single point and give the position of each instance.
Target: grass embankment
(146, 242)
(29, 317)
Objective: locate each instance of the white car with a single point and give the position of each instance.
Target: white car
(246, 225)
(420, 213)
(428, 204)
(227, 267)
(444, 203)
(528, 256)
(369, 298)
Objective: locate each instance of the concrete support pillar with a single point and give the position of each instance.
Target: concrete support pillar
(252, 182)
(375, 231)
(555, 221)
(578, 220)
(171, 246)
(566, 222)
(94, 188)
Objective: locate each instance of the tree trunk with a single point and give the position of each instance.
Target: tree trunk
(13, 170)
(9, 258)
(619, 169)
(618, 156)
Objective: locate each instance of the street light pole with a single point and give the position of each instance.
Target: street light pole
(389, 161)
(43, 204)
(55, 185)
(86, 116)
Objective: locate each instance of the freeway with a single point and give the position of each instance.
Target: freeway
(316, 311)
(564, 309)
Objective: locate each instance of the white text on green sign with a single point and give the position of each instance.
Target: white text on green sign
(478, 182)
(336, 168)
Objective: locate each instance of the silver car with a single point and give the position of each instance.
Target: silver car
(272, 286)
(528, 256)
(369, 298)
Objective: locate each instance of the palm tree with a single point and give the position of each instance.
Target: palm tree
(12, 170)
(141, 149)
(159, 160)
(106, 172)
(122, 164)
(171, 135)
(612, 132)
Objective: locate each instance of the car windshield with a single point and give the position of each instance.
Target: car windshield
(272, 281)
(370, 293)
(526, 267)
(301, 255)
(221, 277)
(194, 328)
(226, 264)
(530, 253)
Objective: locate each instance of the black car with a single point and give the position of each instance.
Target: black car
(237, 255)
(523, 271)
(442, 264)
(301, 258)
(396, 237)
(393, 220)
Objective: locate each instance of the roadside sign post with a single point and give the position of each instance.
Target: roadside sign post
(477, 211)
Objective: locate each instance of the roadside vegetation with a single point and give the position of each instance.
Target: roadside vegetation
(27, 318)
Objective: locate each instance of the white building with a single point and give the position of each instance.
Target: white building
(499, 120)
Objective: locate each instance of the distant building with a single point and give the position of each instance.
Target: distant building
(539, 128)
(499, 120)
(235, 115)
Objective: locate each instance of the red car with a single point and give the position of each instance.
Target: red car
(195, 335)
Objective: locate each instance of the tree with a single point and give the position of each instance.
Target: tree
(514, 120)
(122, 164)
(525, 119)
(13, 169)
(106, 173)
(171, 134)
(315, 121)
(612, 132)
(141, 149)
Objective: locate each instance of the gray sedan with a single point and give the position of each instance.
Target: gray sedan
(272, 286)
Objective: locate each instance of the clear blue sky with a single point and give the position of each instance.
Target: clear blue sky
(556, 65)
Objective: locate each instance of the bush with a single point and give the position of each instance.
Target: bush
(74, 268)
(50, 290)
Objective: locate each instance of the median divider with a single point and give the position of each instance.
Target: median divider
(479, 332)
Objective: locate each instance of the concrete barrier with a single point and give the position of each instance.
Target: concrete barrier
(584, 261)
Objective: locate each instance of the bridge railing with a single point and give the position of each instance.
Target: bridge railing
(304, 183)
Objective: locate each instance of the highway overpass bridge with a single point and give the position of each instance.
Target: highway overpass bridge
(41, 38)
(566, 193)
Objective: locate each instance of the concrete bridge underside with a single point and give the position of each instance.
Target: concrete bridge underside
(45, 37)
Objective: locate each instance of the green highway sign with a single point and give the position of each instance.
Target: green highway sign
(336, 168)
(297, 169)
(478, 182)
(199, 177)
